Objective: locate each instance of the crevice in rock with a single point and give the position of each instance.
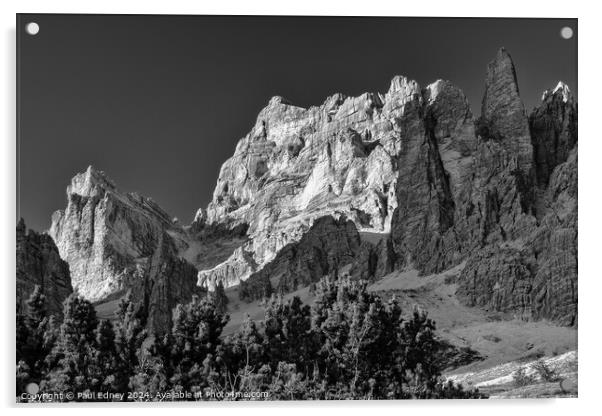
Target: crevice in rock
(438, 177)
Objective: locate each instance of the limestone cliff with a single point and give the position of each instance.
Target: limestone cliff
(327, 246)
(341, 158)
(39, 263)
(415, 167)
(116, 242)
(532, 271)
(553, 131)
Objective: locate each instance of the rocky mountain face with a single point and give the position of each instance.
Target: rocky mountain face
(553, 128)
(298, 165)
(39, 263)
(530, 269)
(324, 248)
(116, 242)
(330, 247)
(534, 275)
(415, 167)
(366, 185)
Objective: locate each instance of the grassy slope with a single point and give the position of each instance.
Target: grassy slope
(499, 340)
(498, 337)
(503, 341)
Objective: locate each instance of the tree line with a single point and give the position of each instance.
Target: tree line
(349, 344)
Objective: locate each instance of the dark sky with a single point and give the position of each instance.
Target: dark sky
(159, 102)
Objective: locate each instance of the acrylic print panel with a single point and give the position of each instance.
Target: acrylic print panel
(277, 208)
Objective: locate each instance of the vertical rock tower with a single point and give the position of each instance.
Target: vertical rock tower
(116, 242)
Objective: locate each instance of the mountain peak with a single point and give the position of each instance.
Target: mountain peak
(403, 83)
(113, 242)
(90, 182)
(503, 110)
(501, 82)
(561, 92)
(561, 89)
(502, 53)
(277, 99)
(442, 87)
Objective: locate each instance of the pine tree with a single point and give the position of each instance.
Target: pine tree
(195, 334)
(23, 377)
(36, 335)
(129, 337)
(151, 374)
(219, 298)
(22, 334)
(420, 351)
(72, 360)
(350, 344)
(367, 349)
(242, 356)
(106, 364)
(288, 334)
(36, 307)
(255, 288)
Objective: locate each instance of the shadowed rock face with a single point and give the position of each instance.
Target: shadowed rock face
(498, 277)
(532, 272)
(504, 112)
(553, 131)
(554, 244)
(535, 275)
(116, 242)
(39, 263)
(435, 168)
(328, 245)
(518, 235)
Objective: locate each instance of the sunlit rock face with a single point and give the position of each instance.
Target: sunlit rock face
(239, 266)
(413, 165)
(115, 242)
(39, 264)
(297, 165)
